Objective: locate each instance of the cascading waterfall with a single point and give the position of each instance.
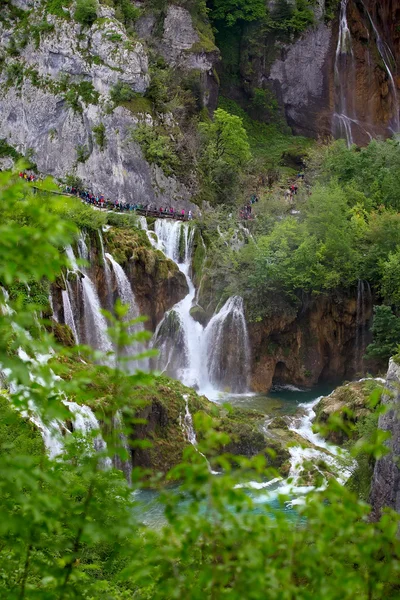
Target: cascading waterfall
(122, 465)
(178, 336)
(107, 274)
(211, 359)
(127, 296)
(69, 315)
(227, 347)
(344, 117)
(363, 301)
(387, 59)
(93, 329)
(187, 424)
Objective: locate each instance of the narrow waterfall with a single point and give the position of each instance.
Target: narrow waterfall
(227, 347)
(122, 465)
(363, 301)
(93, 325)
(107, 273)
(126, 295)
(187, 424)
(211, 359)
(388, 60)
(344, 117)
(69, 315)
(84, 421)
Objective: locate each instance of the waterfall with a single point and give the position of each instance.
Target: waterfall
(344, 117)
(152, 236)
(190, 434)
(187, 424)
(84, 421)
(127, 296)
(107, 274)
(363, 301)
(94, 329)
(178, 336)
(69, 315)
(226, 347)
(95, 324)
(211, 359)
(122, 465)
(387, 58)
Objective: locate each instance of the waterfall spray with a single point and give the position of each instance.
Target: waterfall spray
(211, 359)
(344, 117)
(127, 296)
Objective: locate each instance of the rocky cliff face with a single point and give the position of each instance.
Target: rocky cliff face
(317, 343)
(57, 78)
(385, 490)
(340, 74)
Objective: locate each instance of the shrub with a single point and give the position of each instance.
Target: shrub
(99, 132)
(122, 92)
(82, 153)
(86, 12)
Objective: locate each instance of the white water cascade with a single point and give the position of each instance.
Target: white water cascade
(344, 117)
(123, 465)
(387, 59)
(69, 315)
(227, 347)
(93, 330)
(363, 301)
(126, 295)
(213, 359)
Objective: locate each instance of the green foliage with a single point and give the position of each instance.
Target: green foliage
(99, 132)
(38, 29)
(231, 12)
(56, 7)
(15, 74)
(6, 150)
(122, 92)
(386, 334)
(157, 147)
(76, 93)
(86, 12)
(225, 154)
(374, 171)
(126, 11)
(82, 153)
(71, 529)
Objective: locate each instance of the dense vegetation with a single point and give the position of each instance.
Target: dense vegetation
(71, 529)
(347, 229)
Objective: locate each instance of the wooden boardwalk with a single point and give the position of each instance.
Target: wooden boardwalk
(138, 211)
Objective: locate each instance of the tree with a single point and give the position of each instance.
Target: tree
(225, 153)
(386, 334)
(86, 12)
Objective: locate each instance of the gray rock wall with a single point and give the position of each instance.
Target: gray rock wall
(36, 119)
(385, 489)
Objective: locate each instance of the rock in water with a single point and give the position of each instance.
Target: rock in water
(385, 490)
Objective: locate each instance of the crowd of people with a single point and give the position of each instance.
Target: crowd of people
(99, 201)
(246, 213)
(31, 177)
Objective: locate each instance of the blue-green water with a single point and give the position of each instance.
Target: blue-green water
(279, 402)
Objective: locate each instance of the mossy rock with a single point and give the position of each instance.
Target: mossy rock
(199, 314)
(124, 242)
(278, 423)
(63, 334)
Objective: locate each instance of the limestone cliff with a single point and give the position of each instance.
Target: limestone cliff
(385, 490)
(316, 343)
(340, 73)
(72, 96)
